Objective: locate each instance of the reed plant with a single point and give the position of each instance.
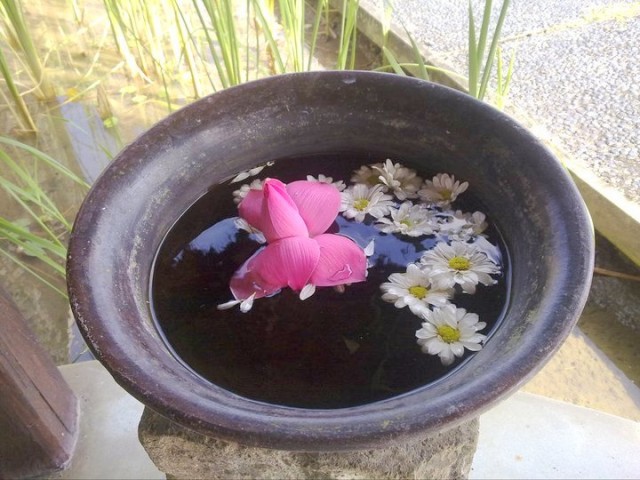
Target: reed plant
(41, 235)
(122, 20)
(281, 33)
(217, 18)
(22, 111)
(17, 32)
(348, 39)
(480, 61)
(503, 78)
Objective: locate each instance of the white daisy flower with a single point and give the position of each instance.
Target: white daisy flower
(448, 331)
(460, 263)
(360, 200)
(408, 219)
(339, 184)
(402, 181)
(442, 190)
(413, 289)
(238, 195)
(463, 226)
(367, 174)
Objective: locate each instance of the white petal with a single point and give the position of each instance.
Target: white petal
(474, 347)
(369, 249)
(246, 304)
(457, 349)
(436, 346)
(307, 291)
(446, 357)
(228, 305)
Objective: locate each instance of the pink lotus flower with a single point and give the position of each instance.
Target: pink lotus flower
(299, 254)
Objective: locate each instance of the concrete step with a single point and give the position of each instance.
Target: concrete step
(529, 436)
(108, 446)
(526, 436)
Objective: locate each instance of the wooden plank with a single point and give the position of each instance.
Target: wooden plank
(38, 410)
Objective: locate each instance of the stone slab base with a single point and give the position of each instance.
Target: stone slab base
(182, 453)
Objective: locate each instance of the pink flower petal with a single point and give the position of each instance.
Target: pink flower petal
(250, 208)
(275, 214)
(317, 202)
(341, 261)
(289, 262)
(247, 280)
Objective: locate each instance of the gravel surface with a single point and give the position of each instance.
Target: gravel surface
(576, 71)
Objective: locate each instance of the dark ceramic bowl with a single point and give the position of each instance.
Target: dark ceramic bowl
(152, 182)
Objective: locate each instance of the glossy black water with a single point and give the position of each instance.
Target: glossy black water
(332, 350)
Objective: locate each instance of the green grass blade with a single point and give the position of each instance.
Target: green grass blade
(492, 51)
(14, 19)
(33, 192)
(507, 81)
(25, 115)
(393, 62)
(220, 15)
(31, 271)
(348, 34)
(222, 74)
(15, 193)
(314, 33)
(268, 33)
(430, 68)
(46, 159)
(422, 67)
(484, 30)
(292, 21)
(473, 55)
(503, 81)
(186, 31)
(33, 244)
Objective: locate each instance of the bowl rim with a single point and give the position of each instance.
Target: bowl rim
(231, 417)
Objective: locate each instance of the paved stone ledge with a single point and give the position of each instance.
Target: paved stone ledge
(614, 216)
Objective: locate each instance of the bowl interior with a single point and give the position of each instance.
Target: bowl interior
(153, 181)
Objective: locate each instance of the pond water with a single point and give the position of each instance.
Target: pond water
(334, 349)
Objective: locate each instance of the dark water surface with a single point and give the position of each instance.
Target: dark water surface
(332, 350)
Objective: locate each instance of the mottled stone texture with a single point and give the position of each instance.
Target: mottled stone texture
(182, 453)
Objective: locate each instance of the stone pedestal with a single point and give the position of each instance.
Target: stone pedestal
(182, 453)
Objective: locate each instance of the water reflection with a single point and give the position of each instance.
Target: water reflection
(216, 238)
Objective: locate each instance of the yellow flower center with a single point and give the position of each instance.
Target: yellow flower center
(373, 179)
(448, 334)
(459, 263)
(445, 193)
(407, 222)
(361, 204)
(418, 291)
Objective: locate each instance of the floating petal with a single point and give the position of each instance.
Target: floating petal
(273, 212)
(318, 204)
(248, 281)
(250, 208)
(341, 261)
(289, 262)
